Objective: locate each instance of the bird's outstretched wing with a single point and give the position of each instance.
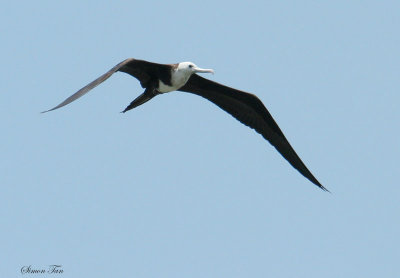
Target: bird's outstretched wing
(248, 109)
(139, 69)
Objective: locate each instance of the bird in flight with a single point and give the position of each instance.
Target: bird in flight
(245, 107)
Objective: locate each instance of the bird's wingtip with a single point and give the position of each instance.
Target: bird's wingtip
(323, 188)
(47, 111)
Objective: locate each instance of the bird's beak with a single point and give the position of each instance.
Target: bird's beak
(203, 70)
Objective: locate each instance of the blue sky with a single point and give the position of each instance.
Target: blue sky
(177, 187)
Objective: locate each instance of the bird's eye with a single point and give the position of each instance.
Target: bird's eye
(190, 66)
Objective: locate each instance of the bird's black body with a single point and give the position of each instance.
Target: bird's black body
(245, 107)
(149, 73)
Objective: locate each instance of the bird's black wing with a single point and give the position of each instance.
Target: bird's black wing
(142, 70)
(248, 109)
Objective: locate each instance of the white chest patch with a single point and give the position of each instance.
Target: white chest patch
(178, 79)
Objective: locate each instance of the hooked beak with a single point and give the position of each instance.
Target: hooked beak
(203, 70)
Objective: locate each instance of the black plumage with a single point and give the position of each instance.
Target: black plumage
(245, 107)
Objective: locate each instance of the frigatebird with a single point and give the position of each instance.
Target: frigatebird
(245, 107)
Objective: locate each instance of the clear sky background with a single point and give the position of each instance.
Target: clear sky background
(177, 187)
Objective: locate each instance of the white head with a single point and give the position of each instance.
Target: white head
(180, 76)
(189, 67)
